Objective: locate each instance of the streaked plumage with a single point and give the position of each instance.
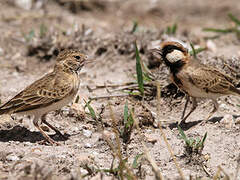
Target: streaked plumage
(193, 78)
(51, 92)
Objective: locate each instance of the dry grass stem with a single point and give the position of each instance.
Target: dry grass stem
(109, 96)
(155, 168)
(123, 165)
(163, 134)
(238, 167)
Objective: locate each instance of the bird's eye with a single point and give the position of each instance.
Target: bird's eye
(77, 57)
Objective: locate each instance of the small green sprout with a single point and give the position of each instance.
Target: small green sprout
(128, 124)
(43, 30)
(194, 51)
(235, 29)
(171, 30)
(91, 110)
(135, 163)
(28, 37)
(135, 27)
(192, 145)
(139, 71)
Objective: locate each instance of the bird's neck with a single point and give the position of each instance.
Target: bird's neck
(176, 66)
(63, 69)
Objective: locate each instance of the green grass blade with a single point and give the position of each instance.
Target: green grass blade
(203, 140)
(91, 110)
(168, 31)
(193, 51)
(146, 77)
(183, 135)
(198, 50)
(130, 120)
(133, 93)
(135, 161)
(125, 117)
(234, 19)
(135, 27)
(174, 28)
(43, 30)
(218, 30)
(30, 35)
(139, 71)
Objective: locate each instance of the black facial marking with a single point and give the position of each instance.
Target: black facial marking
(176, 67)
(170, 48)
(177, 81)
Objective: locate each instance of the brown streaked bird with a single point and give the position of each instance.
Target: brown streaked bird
(196, 80)
(51, 92)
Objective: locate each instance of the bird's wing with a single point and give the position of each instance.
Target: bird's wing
(211, 80)
(45, 91)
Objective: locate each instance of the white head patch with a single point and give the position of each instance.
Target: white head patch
(175, 56)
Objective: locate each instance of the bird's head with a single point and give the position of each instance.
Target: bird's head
(71, 60)
(171, 52)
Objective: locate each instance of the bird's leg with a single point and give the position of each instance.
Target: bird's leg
(43, 118)
(50, 140)
(216, 106)
(185, 106)
(194, 105)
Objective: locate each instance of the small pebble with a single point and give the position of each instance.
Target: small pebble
(87, 133)
(107, 135)
(151, 138)
(75, 129)
(88, 145)
(237, 121)
(227, 121)
(211, 46)
(12, 157)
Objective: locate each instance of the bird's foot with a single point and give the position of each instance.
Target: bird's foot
(182, 123)
(204, 122)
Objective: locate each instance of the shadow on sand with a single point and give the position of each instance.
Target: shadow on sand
(22, 134)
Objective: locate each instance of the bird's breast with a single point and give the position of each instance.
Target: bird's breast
(76, 83)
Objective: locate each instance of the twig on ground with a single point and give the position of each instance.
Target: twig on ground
(109, 96)
(205, 170)
(110, 85)
(220, 169)
(122, 165)
(155, 168)
(238, 167)
(163, 134)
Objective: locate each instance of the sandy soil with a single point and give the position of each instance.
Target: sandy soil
(102, 29)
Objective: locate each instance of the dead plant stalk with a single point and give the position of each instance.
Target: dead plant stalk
(123, 165)
(163, 134)
(152, 162)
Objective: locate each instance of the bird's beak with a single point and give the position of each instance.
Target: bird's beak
(156, 50)
(156, 53)
(89, 59)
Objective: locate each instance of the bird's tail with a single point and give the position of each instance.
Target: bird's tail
(235, 90)
(4, 111)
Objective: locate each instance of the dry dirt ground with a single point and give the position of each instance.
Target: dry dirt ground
(29, 42)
